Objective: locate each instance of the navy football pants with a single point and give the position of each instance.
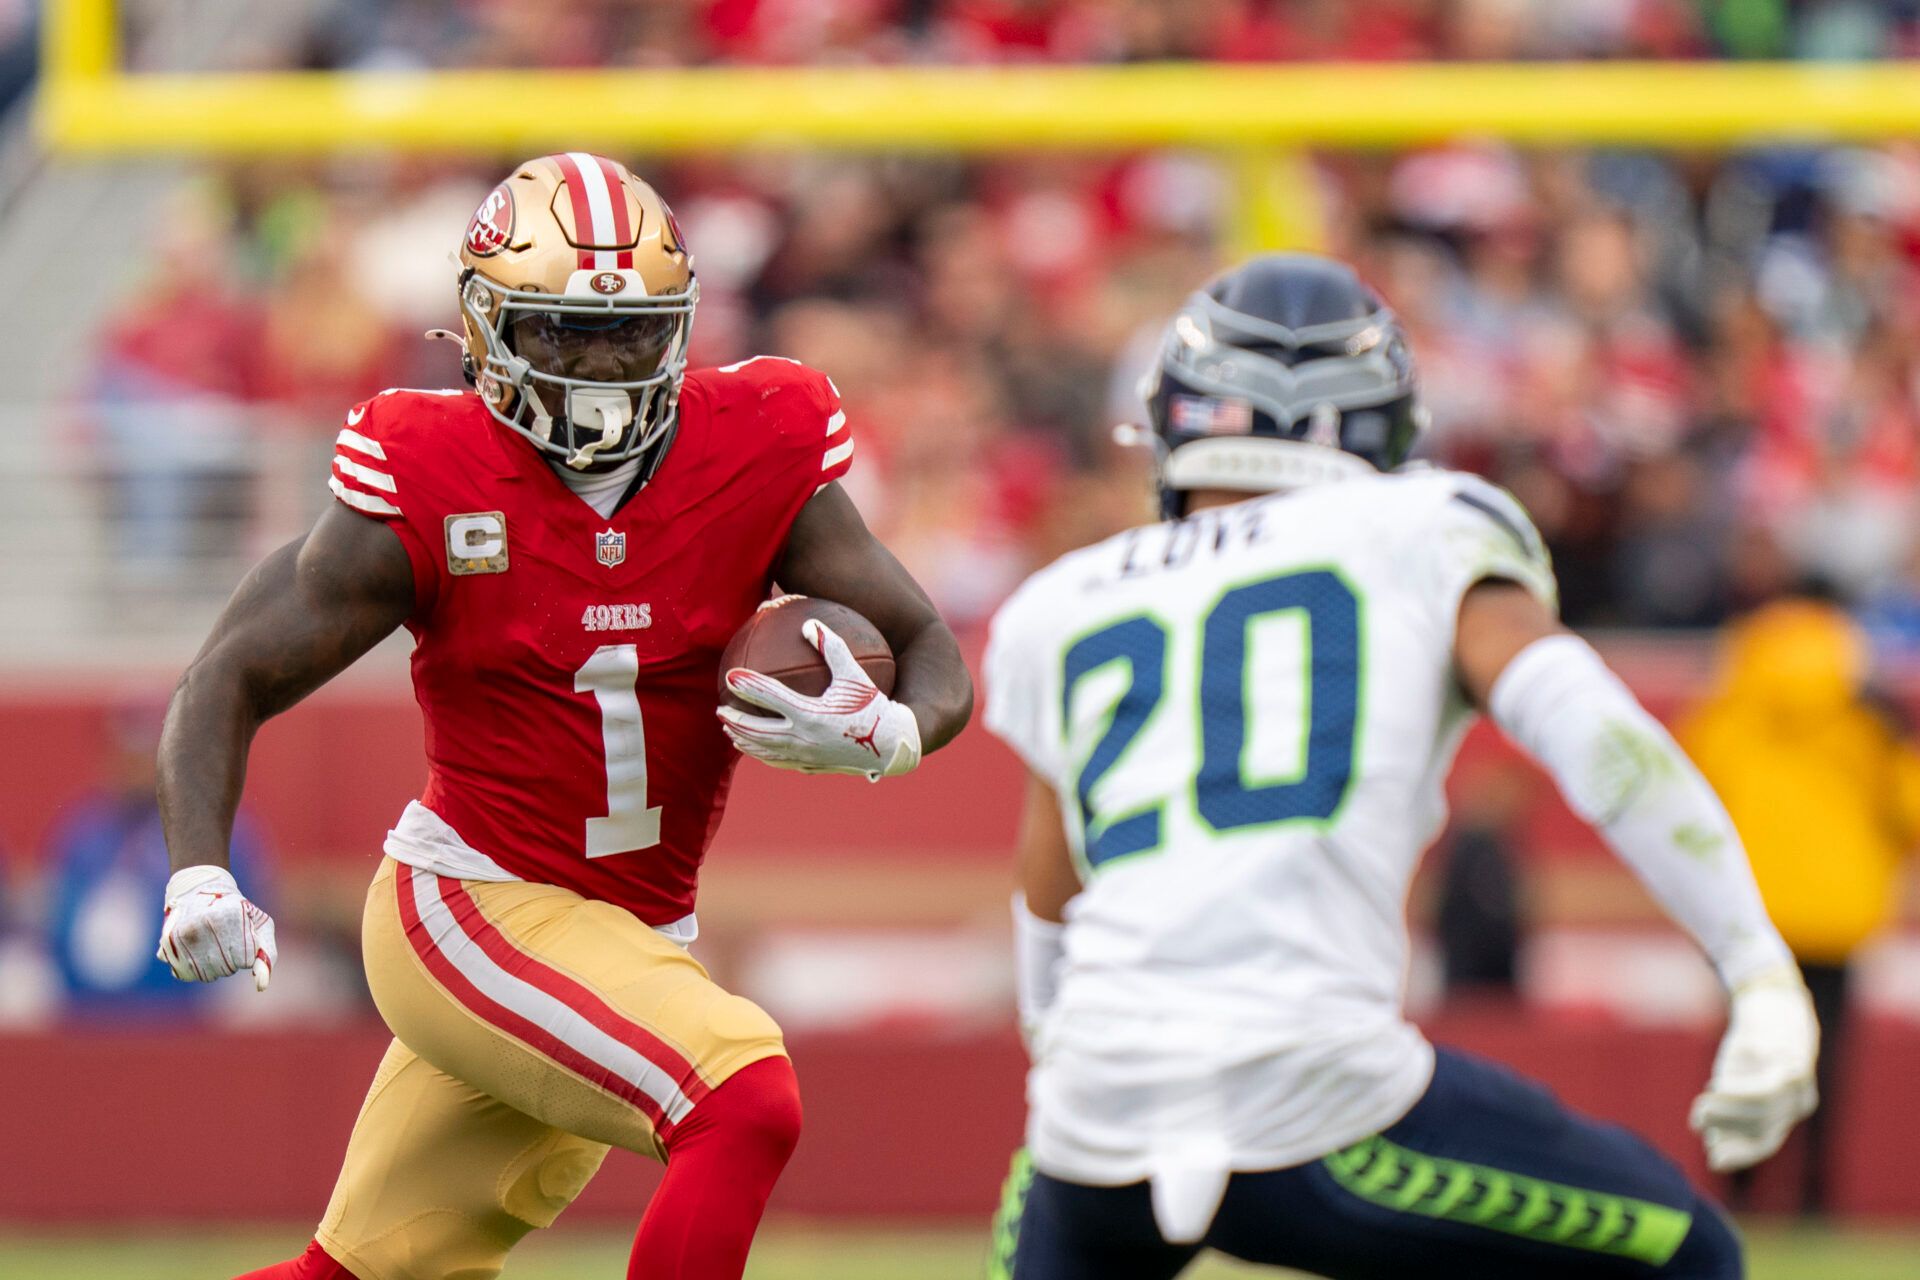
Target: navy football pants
(1489, 1177)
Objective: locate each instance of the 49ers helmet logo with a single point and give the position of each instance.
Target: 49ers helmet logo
(492, 225)
(608, 282)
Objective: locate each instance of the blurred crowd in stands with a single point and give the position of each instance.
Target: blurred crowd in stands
(646, 32)
(1698, 371)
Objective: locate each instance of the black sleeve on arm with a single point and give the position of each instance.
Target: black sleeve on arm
(832, 554)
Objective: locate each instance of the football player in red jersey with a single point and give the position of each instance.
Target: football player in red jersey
(571, 545)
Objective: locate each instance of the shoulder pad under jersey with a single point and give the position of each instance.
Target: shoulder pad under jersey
(792, 412)
(1476, 530)
(393, 439)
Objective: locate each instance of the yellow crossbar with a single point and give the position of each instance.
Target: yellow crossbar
(964, 109)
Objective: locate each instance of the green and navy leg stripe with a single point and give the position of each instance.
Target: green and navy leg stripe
(1394, 1177)
(1006, 1222)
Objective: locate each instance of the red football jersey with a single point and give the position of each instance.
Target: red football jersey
(567, 662)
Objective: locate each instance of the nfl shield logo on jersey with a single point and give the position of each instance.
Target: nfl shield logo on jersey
(610, 548)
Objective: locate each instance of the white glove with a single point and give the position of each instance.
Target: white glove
(1762, 1081)
(211, 930)
(851, 728)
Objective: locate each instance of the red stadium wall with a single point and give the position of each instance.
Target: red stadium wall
(905, 1124)
(329, 777)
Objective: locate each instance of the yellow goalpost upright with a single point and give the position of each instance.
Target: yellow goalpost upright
(1257, 114)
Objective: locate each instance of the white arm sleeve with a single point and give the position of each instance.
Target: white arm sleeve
(1622, 772)
(1039, 948)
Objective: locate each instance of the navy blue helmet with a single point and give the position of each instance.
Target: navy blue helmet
(1274, 371)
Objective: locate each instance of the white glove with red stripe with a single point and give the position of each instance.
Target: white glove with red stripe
(1762, 1081)
(851, 728)
(211, 930)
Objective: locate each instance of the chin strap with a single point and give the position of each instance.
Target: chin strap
(516, 377)
(610, 410)
(614, 409)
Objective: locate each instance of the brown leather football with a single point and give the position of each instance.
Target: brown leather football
(771, 644)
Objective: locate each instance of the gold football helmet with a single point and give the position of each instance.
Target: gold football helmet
(577, 297)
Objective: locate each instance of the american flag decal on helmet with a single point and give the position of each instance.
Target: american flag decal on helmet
(1208, 415)
(610, 547)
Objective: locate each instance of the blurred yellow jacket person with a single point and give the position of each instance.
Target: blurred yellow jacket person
(1819, 781)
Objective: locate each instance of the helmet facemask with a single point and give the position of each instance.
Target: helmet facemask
(590, 378)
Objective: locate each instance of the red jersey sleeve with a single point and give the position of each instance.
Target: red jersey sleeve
(836, 458)
(377, 472)
(806, 433)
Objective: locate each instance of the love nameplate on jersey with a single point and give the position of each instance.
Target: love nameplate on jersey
(477, 543)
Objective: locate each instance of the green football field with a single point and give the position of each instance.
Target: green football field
(796, 1252)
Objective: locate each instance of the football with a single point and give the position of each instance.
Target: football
(771, 644)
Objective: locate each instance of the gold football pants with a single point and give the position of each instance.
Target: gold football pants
(534, 1029)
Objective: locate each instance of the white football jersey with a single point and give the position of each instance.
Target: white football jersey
(1248, 716)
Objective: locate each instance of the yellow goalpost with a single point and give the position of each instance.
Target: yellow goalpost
(1256, 114)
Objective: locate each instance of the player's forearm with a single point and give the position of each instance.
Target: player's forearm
(219, 704)
(1622, 772)
(931, 678)
(302, 616)
(203, 762)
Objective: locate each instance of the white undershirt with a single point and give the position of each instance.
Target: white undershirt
(423, 839)
(600, 490)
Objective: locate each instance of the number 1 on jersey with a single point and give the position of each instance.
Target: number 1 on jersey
(610, 676)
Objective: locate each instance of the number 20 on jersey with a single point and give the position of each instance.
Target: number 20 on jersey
(1225, 798)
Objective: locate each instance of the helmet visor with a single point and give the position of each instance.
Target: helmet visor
(597, 346)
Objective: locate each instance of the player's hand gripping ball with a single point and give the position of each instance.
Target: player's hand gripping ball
(804, 685)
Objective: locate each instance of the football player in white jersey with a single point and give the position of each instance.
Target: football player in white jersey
(1237, 723)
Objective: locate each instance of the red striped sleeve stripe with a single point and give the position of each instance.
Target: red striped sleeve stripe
(350, 492)
(839, 454)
